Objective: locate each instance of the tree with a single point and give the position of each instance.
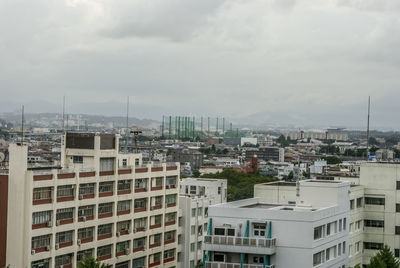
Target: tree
(384, 259)
(332, 160)
(90, 262)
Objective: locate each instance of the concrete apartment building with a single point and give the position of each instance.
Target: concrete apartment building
(195, 196)
(252, 233)
(374, 208)
(100, 203)
(267, 154)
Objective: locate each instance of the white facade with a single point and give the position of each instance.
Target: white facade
(196, 195)
(100, 203)
(252, 233)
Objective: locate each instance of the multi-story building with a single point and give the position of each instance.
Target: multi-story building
(374, 208)
(99, 203)
(313, 232)
(195, 196)
(267, 153)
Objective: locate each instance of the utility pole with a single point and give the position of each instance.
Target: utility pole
(22, 126)
(162, 127)
(170, 127)
(208, 122)
(216, 131)
(127, 125)
(223, 126)
(369, 104)
(63, 114)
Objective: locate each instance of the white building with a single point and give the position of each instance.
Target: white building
(374, 208)
(99, 203)
(311, 233)
(196, 195)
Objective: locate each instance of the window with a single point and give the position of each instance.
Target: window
(258, 259)
(318, 258)
(375, 201)
(139, 242)
(397, 230)
(171, 181)
(124, 185)
(358, 225)
(206, 212)
(41, 241)
(357, 247)
(86, 188)
(124, 205)
(199, 245)
(219, 257)
(104, 229)
(106, 187)
(259, 229)
(199, 211)
(123, 226)
(330, 253)
(192, 247)
(122, 246)
(107, 164)
(63, 260)
(340, 225)
(78, 159)
(65, 190)
(140, 223)
(193, 212)
(85, 233)
(156, 239)
(169, 254)
(64, 237)
(318, 232)
(104, 251)
(140, 262)
(84, 254)
(340, 249)
(140, 183)
(219, 231)
(170, 199)
(397, 185)
(193, 230)
(41, 263)
(124, 264)
(42, 193)
(352, 204)
(170, 217)
(105, 208)
(124, 162)
(231, 232)
(41, 217)
(344, 223)
(331, 228)
(344, 247)
(359, 202)
(86, 211)
(140, 203)
(65, 214)
(169, 236)
(373, 246)
(193, 189)
(374, 223)
(397, 207)
(397, 252)
(219, 190)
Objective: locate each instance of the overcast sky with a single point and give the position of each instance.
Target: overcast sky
(269, 61)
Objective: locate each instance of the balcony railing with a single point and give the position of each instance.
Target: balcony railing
(240, 241)
(211, 264)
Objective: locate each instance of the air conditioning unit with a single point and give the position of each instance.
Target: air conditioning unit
(78, 242)
(118, 234)
(57, 222)
(33, 252)
(49, 224)
(47, 248)
(57, 246)
(80, 196)
(127, 251)
(83, 218)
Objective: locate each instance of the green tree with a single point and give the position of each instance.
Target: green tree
(90, 262)
(196, 173)
(384, 259)
(332, 160)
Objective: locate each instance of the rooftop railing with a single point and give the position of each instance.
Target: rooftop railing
(213, 264)
(240, 241)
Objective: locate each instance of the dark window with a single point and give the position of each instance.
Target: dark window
(373, 246)
(374, 223)
(78, 159)
(397, 185)
(219, 231)
(219, 257)
(397, 230)
(397, 252)
(231, 232)
(397, 207)
(375, 201)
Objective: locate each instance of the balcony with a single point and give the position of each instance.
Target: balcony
(237, 244)
(211, 264)
(124, 170)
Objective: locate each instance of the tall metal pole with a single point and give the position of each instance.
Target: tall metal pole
(22, 126)
(369, 104)
(216, 131)
(162, 127)
(194, 127)
(127, 125)
(208, 123)
(170, 127)
(223, 126)
(63, 114)
(201, 125)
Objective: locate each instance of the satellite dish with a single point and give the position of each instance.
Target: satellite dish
(2, 157)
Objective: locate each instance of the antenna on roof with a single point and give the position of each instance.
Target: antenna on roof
(127, 125)
(369, 105)
(22, 126)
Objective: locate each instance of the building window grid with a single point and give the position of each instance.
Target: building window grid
(65, 213)
(106, 187)
(85, 233)
(41, 217)
(64, 237)
(65, 190)
(86, 211)
(105, 208)
(124, 185)
(42, 193)
(104, 229)
(86, 188)
(124, 205)
(41, 241)
(104, 250)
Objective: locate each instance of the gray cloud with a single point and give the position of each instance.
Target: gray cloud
(283, 61)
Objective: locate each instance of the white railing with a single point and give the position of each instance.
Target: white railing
(171, 164)
(240, 241)
(124, 167)
(212, 264)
